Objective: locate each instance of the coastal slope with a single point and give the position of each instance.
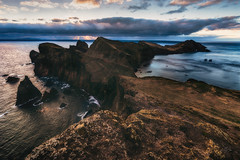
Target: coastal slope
(140, 118)
(162, 119)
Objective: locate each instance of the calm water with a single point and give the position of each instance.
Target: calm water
(23, 129)
(223, 71)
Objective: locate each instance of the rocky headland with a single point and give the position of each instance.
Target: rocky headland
(140, 118)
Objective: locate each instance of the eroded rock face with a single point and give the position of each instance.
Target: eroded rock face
(147, 134)
(97, 69)
(143, 118)
(27, 93)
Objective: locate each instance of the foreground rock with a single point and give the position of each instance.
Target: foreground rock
(12, 79)
(27, 93)
(156, 118)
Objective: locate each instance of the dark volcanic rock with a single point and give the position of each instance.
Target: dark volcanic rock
(27, 93)
(187, 47)
(97, 70)
(34, 55)
(63, 105)
(81, 46)
(12, 79)
(48, 96)
(142, 118)
(5, 75)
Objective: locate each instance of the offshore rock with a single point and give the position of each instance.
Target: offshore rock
(27, 93)
(187, 47)
(48, 96)
(12, 79)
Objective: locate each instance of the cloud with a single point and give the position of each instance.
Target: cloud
(89, 4)
(180, 10)
(39, 3)
(7, 9)
(3, 19)
(120, 27)
(57, 20)
(184, 2)
(201, 3)
(74, 18)
(210, 3)
(25, 9)
(143, 6)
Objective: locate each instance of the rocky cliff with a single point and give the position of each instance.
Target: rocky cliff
(96, 69)
(162, 119)
(147, 118)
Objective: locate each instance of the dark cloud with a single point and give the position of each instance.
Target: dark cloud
(180, 10)
(143, 6)
(120, 27)
(57, 20)
(3, 19)
(76, 18)
(40, 19)
(201, 3)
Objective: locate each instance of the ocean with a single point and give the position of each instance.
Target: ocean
(220, 67)
(23, 129)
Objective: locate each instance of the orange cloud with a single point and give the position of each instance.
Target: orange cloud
(183, 2)
(209, 3)
(93, 2)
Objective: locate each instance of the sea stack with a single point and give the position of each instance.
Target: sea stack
(27, 93)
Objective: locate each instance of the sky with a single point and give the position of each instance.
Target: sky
(202, 20)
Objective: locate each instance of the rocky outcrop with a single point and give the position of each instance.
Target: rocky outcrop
(48, 96)
(156, 118)
(187, 46)
(12, 79)
(81, 46)
(27, 93)
(141, 118)
(97, 69)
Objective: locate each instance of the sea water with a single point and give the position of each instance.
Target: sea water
(220, 67)
(23, 129)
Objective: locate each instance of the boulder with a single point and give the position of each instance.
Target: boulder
(48, 96)
(27, 93)
(4, 75)
(12, 79)
(63, 105)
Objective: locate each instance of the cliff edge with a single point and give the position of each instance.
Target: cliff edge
(141, 118)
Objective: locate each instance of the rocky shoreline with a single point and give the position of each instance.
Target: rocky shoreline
(141, 118)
